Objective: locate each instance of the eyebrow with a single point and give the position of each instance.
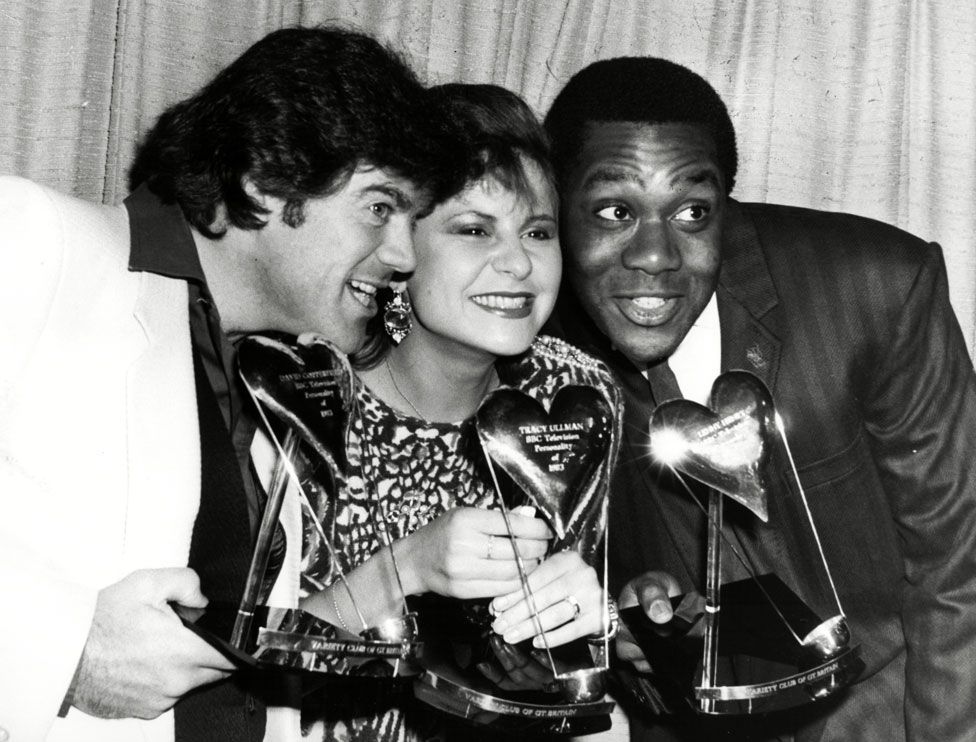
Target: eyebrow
(543, 216)
(474, 213)
(617, 175)
(612, 175)
(401, 199)
(705, 175)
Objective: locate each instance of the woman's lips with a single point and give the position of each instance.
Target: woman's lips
(510, 306)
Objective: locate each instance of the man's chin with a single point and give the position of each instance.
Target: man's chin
(644, 354)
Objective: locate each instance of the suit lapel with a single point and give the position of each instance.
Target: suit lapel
(750, 318)
(747, 302)
(162, 429)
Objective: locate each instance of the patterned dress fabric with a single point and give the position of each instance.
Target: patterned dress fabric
(404, 472)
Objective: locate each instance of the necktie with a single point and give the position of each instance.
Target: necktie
(664, 384)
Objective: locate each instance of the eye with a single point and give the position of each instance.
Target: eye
(693, 213)
(381, 210)
(614, 213)
(539, 233)
(471, 230)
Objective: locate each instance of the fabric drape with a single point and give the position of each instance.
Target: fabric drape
(865, 106)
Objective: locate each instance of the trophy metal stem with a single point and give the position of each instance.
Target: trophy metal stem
(780, 429)
(262, 549)
(523, 577)
(738, 555)
(713, 592)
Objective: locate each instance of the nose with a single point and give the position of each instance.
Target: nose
(511, 257)
(652, 250)
(396, 249)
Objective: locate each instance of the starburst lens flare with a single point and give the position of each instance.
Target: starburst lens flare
(668, 446)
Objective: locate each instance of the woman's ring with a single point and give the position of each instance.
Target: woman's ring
(574, 603)
(491, 539)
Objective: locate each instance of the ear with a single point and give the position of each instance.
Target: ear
(272, 205)
(254, 193)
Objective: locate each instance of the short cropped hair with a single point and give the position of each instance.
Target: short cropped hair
(640, 90)
(295, 114)
(494, 132)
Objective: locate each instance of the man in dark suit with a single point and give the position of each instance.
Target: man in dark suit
(848, 323)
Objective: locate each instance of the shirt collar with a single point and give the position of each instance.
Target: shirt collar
(698, 359)
(160, 238)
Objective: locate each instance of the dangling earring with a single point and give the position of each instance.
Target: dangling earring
(396, 316)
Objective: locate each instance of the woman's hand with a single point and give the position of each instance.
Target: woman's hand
(568, 598)
(467, 553)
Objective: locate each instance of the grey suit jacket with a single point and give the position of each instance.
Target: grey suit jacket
(848, 322)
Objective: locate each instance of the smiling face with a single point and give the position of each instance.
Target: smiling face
(642, 222)
(322, 276)
(488, 268)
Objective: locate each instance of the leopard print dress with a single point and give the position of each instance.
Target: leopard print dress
(404, 473)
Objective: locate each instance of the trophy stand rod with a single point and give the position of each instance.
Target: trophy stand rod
(781, 429)
(745, 564)
(713, 592)
(523, 576)
(262, 549)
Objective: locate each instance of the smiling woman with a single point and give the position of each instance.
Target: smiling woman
(487, 274)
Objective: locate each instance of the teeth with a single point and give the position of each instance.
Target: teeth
(366, 288)
(649, 302)
(493, 301)
(363, 292)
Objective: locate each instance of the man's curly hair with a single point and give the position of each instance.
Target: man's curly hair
(294, 114)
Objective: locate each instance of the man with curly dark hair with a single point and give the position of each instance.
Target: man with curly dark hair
(280, 197)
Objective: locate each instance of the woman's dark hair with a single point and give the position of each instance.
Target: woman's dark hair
(497, 133)
(644, 90)
(295, 114)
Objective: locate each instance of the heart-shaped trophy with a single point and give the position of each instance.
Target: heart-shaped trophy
(554, 456)
(550, 455)
(727, 446)
(307, 385)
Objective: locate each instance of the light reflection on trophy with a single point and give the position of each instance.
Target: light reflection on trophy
(550, 461)
(304, 395)
(708, 654)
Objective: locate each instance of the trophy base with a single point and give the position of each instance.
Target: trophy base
(457, 639)
(292, 639)
(761, 667)
(506, 713)
(215, 625)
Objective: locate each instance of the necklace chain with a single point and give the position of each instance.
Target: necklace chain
(389, 370)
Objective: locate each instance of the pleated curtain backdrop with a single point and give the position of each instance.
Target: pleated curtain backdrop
(864, 106)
